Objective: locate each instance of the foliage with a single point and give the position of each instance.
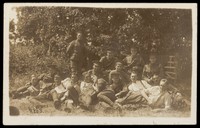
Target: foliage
(53, 28)
(12, 26)
(30, 59)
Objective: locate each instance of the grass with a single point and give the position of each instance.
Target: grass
(49, 110)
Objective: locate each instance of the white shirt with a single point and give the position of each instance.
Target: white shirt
(66, 82)
(138, 86)
(63, 87)
(60, 89)
(154, 93)
(86, 88)
(135, 87)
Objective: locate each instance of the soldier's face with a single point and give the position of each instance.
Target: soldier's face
(156, 79)
(163, 82)
(88, 78)
(74, 78)
(79, 36)
(115, 79)
(57, 80)
(133, 51)
(152, 59)
(133, 77)
(96, 67)
(52, 70)
(118, 67)
(109, 54)
(34, 81)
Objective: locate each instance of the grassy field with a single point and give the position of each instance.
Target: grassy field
(48, 109)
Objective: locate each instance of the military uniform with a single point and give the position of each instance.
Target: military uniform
(28, 89)
(123, 76)
(108, 94)
(150, 69)
(77, 52)
(134, 63)
(45, 89)
(94, 73)
(108, 64)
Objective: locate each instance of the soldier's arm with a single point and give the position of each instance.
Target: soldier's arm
(101, 60)
(144, 74)
(23, 88)
(144, 94)
(145, 84)
(125, 77)
(40, 77)
(125, 90)
(82, 86)
(69, 48)
(50, 86)
(172, 88)
(28, 84)
(161, 71)
(124, 61)
(142, 63)
(109, 77)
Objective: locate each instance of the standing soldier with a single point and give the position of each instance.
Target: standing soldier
(77, 52)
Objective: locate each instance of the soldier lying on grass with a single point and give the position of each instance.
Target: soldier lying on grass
(30, 89)
(159, 97)
(131, 94)
(108, 95)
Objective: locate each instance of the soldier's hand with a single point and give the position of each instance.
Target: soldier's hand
(118, 94)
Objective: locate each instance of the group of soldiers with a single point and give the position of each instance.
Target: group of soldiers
(111, 82)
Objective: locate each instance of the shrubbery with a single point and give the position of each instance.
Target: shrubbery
(51, 29)
(31, 59)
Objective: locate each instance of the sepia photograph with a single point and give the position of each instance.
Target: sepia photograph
(99, 64)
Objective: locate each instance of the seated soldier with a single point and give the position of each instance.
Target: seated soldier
(30, 89)
(108, 95)
(87, 90)
(49, 76)
(152, 68)
(119, 70)
(64, 90)
(108, 62)
(72, 91)
(134, 62)
(131, 94)
(154, 80)
(96, 72)
(99, 86)
(58, 91)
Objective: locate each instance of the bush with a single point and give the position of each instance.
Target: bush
(31, 59)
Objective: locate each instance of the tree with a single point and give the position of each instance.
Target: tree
(54, 27)
(12, 26)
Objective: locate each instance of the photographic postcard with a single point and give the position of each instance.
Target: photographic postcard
(100, 64)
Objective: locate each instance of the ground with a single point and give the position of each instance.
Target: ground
(26, 107)
(46, 108)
